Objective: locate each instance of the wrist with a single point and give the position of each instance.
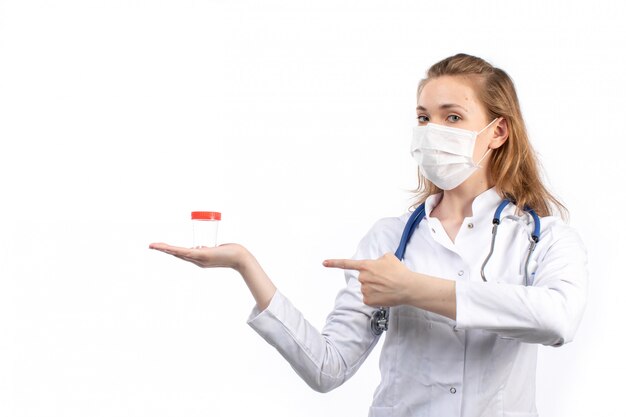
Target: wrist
(259, 284)
(436, 295)
(415, 291)
(243, 260)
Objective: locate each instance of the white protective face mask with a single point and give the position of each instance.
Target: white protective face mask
(445, 154)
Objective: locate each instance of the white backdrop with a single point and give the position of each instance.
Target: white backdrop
(118, 118)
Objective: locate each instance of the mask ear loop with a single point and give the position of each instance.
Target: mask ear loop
(490, 123)
(481, 159)
(488, 149)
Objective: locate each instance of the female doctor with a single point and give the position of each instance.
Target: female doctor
(488, 271)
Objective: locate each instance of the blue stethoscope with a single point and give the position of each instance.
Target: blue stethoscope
(380, 317)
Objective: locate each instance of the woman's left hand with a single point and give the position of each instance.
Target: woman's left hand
(385, 281)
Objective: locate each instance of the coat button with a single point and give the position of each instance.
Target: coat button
(452, 390)
(461, 272)
(470, 225)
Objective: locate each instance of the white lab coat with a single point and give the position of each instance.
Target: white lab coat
(481, 365)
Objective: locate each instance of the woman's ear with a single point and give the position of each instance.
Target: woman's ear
(500, 134)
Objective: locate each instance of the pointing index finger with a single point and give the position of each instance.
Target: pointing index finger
(344, 264)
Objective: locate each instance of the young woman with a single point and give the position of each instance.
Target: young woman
(487, 272)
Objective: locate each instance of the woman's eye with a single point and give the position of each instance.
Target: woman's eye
(454, 118)
(422, 119)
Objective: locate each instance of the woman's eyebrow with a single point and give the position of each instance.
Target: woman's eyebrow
(443, 106)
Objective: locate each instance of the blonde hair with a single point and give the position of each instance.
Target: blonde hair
(515, 169)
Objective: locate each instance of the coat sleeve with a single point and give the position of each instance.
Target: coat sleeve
(548, 312)
(326, 359)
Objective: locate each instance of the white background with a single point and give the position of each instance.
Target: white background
(118, 118)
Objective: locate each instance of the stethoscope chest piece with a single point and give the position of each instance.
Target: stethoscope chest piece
(380, 321)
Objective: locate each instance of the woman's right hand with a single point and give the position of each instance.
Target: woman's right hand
(230, 255)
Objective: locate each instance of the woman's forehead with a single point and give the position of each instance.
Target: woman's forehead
(447, 90)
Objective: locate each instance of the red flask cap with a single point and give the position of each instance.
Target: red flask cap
(206, 215)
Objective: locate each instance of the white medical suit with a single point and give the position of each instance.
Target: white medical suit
(481, 365)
